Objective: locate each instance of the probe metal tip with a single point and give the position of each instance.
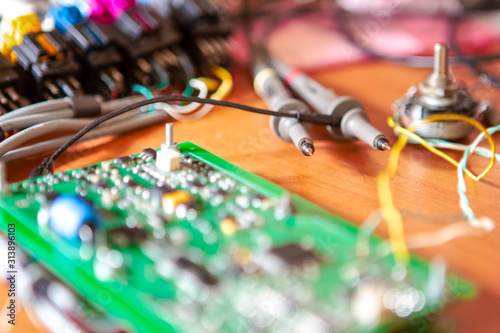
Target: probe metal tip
(382, 143)
(385, 146)
(307, 149)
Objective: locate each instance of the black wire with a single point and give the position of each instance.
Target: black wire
(345, 19)
(48, 164)
(473, 63)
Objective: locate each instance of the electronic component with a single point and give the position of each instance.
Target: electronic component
(148, 154)
(107, 11)
(270, 88)
(168, 157)
(170, 201)
(150, 46)
(228, 226)
(204, 278)
(282, 258)
(199, 272)
(9, 79)
(440, 94)
(12, 31)
(350, 120)
(49, 67)
(100, 59)
(206, 31)
(68, 214)
(125, 160)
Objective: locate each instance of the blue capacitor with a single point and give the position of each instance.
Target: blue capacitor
(68, 213)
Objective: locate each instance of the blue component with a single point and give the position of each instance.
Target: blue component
(65, 16)
(68, 213)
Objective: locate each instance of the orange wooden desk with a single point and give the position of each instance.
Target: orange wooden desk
(342, 177)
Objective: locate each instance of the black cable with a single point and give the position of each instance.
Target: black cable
(345, 19)
(48, 164)
(472, 63)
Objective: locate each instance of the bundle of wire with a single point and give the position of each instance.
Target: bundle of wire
(52, 116)
(388, 211)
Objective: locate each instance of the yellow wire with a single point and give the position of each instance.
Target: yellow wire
(446, 117)
(226, 84)
(387, 207)
(212, 84)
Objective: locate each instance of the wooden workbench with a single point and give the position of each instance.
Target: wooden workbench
(341, 176)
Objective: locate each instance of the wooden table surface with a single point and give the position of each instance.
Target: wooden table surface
(341, 177)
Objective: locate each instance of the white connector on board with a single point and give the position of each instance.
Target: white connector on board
(168, 158)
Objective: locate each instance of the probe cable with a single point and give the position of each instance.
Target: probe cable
(48, 163)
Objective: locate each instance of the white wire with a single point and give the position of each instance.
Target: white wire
(199, 85)
(457, 146)
(464, 205)
(183, 117)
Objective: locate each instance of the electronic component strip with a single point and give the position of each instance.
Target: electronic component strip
(212, 248)
(206, 32)
(101, 61)
(109, 48)
(150, 46)
(9, 80)
(49, 67)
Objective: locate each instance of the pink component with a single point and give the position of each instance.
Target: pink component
(107, 11)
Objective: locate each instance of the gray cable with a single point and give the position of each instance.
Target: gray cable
(137, 121)
(50, 127)
(109, 106)
(34, 119)
(57, 105)
(34, 132)
(24, 121)
(53, 105)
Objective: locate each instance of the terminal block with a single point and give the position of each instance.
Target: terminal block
(150, 45)
(9, 78)
(49, 67)
(100, 60)
(12, 31)
(107, 11)
(206, 32)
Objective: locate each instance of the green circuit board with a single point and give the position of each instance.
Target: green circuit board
(213, 248)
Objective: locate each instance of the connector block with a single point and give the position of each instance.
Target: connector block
(150, 45)
(65, 17)
(100, 59)
(9, 79)
(107, 11)
(12, 31)
(49, 68)
(206, 30)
